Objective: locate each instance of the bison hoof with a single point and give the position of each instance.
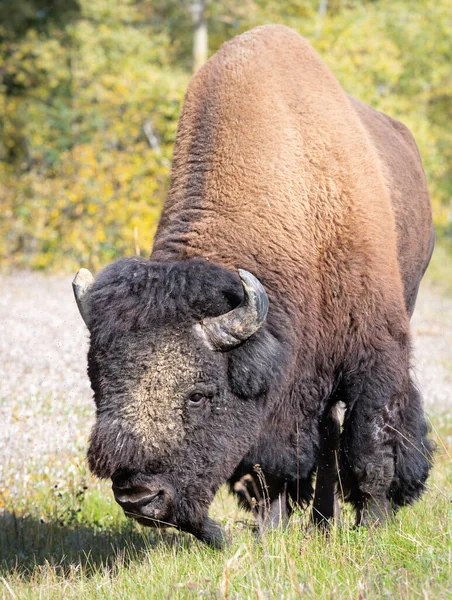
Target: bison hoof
(375, 512)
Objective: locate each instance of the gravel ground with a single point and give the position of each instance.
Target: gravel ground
(46, 409)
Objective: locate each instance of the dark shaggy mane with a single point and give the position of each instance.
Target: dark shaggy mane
(135, 293)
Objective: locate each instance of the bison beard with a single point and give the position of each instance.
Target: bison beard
(324, 201)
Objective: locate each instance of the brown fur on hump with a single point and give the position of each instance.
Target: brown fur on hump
(286, 182)
(410, 198)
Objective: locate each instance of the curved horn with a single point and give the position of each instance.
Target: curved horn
(81, 284)
(234, 327)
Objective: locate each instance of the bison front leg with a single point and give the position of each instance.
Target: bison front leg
(276, 512)
(385, 456)
(265, 496)
(325, 506)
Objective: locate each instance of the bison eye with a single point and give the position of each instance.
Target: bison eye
(197, 399)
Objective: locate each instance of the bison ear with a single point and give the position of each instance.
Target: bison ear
(81, 284)
(256, 366)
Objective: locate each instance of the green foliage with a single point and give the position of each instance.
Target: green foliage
(79, 182)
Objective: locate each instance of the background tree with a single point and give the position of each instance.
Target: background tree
(200, 44)
(90, 93)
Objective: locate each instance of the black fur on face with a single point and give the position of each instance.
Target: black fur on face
(167, 404)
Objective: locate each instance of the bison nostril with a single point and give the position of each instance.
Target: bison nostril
(145, 498)
(136, 496)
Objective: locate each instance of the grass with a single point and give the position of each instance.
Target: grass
(70, 540)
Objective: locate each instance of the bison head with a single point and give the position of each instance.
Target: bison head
(181, 368)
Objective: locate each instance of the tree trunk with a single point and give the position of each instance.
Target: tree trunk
(323, 7)
(199, 33)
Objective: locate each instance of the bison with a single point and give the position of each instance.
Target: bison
(283, 275)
